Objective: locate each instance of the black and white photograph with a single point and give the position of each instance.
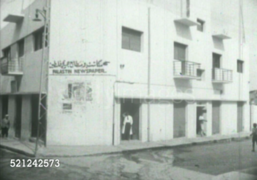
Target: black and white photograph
(128, 89)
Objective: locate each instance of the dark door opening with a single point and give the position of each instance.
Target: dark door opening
(132, 107)
(5, 105)
(18, 116)
(216, 60)
(215, 117)
(240, 116)
(34, 120)
(34, 115)
(179, 127)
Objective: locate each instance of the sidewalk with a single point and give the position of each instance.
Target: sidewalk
(28, 148)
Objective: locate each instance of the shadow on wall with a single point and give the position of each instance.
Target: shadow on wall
(183, 85)
(218, 44)
(183, 31)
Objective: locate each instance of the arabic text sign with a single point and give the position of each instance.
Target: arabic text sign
(77, 67)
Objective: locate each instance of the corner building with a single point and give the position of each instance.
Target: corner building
(166, 63)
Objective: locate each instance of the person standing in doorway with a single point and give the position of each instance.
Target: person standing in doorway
(5, 126)
(127, 126)
(202, 121)
(254, 136)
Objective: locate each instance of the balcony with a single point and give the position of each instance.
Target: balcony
(185, 18)
(11, 67)
(186, 70)
(220, 75)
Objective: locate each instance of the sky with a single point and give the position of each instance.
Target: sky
(12, 6)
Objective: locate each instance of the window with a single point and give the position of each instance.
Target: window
(240, 66)
(200, 26)
(21, 48)
(180, 51)
(216, 60)
(131, 39)
(7, 53)
(38, 39)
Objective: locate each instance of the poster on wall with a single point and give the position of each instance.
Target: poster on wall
(76, 95)
(64, 67)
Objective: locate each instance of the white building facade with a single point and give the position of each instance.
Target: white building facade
(164, 62)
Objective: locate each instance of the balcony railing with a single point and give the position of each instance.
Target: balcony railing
(13, 66)
(220, 75)
(186, 69)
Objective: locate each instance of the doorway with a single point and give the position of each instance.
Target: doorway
(200, 119)
(34, 115)
(18, 100)
(216, 60)
(216, 117)
(5, 105)
(132, 107)
(240, 116)
(179, 125)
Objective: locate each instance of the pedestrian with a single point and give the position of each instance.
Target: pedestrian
(127, 126)
(5, 126)
(202, 121)
(254, 136)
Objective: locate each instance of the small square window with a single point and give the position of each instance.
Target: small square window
(131, 39)
(200, 26)
(240, 66)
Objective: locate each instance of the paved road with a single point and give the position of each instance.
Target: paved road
(189, 162)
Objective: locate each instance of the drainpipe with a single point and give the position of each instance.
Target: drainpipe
(149, 74)
(113, 114)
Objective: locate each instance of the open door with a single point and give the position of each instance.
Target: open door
(132, 107)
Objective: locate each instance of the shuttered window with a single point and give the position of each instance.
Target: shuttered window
(131, 39)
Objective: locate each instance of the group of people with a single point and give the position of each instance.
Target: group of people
(5, 125)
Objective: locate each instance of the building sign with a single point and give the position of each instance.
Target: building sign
(77, 67)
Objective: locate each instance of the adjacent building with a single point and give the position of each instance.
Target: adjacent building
(164, 62)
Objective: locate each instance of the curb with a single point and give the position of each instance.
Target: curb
(163, 146)
(17, 151)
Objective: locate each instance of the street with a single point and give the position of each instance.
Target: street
(169, 163)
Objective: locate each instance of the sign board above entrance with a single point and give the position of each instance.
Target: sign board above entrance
(77, 67)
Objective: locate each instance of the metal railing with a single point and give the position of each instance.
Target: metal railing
(11, 66)
(222, 75)
(185, 68)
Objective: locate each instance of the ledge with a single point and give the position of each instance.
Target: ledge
(13, 18)
(186, 21)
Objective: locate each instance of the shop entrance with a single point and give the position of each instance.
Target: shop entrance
(132, 107)
(201, 120)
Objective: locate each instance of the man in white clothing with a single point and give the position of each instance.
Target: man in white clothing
(127, 126)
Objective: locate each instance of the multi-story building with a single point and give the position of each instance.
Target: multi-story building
(164, 62)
